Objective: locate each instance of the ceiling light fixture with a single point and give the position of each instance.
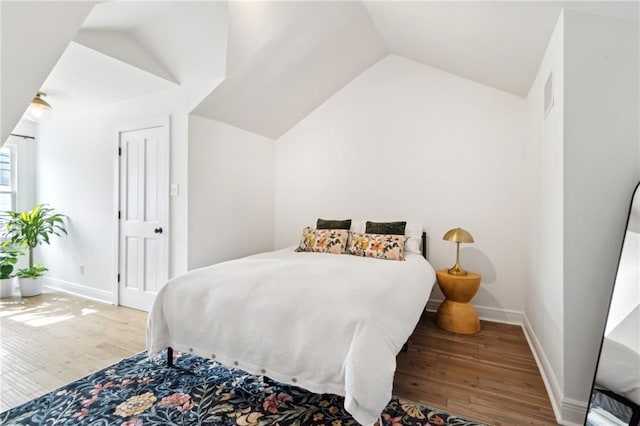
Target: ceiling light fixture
(39, 110)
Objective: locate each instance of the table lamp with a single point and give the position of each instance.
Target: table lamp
(457, 235)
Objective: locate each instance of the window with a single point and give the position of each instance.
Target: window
(8, 184)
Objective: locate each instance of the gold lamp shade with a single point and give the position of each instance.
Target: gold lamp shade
(457, 235)
(39, 110)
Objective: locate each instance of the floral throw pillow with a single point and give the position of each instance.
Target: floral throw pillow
(380, 246)
(324, 240)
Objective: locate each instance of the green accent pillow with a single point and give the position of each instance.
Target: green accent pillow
(386, 228)
(334, 224)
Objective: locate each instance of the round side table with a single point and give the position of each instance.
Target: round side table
(456, 313)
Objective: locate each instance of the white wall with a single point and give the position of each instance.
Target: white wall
(602, 113)
(231, 192)
(544, 293)
(584, 169)
(406, 141)
(75, 162)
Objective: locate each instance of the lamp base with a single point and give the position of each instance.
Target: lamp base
(456, 270)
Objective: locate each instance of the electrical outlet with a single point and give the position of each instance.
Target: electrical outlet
(81, 269)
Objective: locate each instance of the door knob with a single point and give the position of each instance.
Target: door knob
(158, 230)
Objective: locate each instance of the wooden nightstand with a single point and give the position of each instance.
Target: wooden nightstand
(456, 313)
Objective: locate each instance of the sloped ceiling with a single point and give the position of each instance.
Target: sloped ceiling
(33, 36)
(499, 44)
(277, 60)
(128, 49)
(85, 78)
(120, 45)
(286, 58)
(186, 38)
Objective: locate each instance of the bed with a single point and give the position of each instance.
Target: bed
(330, 323)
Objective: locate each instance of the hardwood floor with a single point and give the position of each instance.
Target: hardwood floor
(50, 340)
(490, 376)
(53, 339)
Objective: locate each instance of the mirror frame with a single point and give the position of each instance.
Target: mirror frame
(636, 413)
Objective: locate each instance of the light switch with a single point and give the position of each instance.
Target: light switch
(173, 190)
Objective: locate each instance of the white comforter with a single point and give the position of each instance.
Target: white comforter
(328, 323)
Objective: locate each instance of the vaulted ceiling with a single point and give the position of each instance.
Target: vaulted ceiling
(184, 41)
(270, 63)
(128, 49)
(33, 35)
(285, 59)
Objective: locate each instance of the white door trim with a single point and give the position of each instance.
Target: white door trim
(163, 122)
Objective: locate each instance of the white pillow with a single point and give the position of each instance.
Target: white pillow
(414, 231)
(357, 225)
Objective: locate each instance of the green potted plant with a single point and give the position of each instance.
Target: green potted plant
(8, 259)
(28, 230)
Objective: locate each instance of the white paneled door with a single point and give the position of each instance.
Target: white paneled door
(144, 215)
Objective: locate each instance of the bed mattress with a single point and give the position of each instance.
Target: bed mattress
(328, 323)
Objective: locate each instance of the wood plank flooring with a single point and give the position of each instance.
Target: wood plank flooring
(490, 376)
(49, 340)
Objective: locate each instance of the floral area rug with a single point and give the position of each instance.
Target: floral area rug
(138, 391)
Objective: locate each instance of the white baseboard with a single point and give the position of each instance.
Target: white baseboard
(79, 290)
(573, 412)
(548, 376)
(487, 313)
(568, 412)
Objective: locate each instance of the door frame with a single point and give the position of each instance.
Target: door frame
(164, 122)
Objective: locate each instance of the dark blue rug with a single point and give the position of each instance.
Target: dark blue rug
(138, 391)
